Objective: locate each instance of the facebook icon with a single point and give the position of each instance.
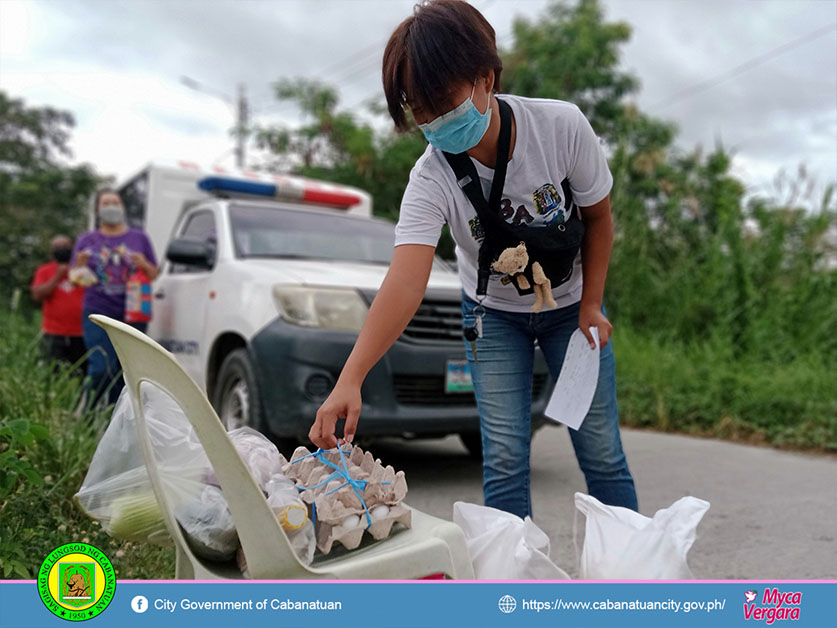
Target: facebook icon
(139, 604)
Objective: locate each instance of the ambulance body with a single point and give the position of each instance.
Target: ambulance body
(265, 282)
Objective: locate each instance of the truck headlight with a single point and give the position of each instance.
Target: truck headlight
(328, 308)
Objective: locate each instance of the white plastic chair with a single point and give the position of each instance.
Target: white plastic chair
(431, 546)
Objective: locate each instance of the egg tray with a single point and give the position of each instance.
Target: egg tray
(384, 486)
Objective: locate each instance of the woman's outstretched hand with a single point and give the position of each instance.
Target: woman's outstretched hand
(343, 402)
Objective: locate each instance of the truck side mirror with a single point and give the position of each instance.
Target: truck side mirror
(191, 252)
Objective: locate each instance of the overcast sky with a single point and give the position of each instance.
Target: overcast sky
(761, 76)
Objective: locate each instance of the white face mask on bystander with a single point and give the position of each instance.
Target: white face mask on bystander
(112, 214)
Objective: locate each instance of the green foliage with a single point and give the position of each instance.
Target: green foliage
(334, 145)
(703, 388)
(45, 450)
(571, 54)
(40, 196)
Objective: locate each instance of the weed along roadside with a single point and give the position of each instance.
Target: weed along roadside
(45, 450)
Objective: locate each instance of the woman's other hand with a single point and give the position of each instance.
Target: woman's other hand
(592, 316)
(141, 261)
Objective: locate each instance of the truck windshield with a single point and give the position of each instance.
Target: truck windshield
(275, 232)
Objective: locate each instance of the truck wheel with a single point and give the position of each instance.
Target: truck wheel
(237, 397)
(473, 443)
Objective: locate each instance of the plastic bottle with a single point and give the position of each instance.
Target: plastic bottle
(138, 298)
(283, 498)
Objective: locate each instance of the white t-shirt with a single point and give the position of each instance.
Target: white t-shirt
(554, 142)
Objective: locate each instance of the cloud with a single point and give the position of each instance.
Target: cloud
(773, 115)
(117, 65)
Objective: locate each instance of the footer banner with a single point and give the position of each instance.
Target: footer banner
(82, 592)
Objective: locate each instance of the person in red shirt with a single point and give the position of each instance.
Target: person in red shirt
(62, 301)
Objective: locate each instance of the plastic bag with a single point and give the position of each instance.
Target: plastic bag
(117, 489)
(505, 547)
(208, 525)
(82, 276)
(620, 544)
(259, 454)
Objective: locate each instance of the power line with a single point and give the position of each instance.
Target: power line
(359, 57)
(720, 78)
(744, 67)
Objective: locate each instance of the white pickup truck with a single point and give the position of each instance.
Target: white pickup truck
(265, 284)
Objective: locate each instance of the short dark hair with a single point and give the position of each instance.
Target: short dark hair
(442, 43)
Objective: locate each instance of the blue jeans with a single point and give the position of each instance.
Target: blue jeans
(502, 379)
(103, 370)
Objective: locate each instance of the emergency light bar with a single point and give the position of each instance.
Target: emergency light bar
(285, 192)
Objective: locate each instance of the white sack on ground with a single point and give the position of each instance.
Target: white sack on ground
(620, 544)
(505, 547)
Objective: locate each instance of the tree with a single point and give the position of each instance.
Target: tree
(335, 146)
(572, 54)
(40, 195)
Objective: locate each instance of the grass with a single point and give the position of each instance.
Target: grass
(44, 454)
(703, 389)
(700, 389)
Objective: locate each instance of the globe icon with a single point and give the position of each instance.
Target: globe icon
(507, 604)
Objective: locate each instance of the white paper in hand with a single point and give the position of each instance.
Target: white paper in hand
(577, 381)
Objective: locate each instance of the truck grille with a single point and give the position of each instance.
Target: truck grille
(436, 321)
(429, 390)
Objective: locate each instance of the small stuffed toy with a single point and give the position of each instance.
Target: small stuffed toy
(513, 261)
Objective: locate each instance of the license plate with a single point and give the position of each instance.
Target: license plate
(458, 377)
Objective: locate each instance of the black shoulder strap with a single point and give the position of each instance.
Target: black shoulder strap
(469, 181)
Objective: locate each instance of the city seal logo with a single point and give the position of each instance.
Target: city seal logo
(76, 581)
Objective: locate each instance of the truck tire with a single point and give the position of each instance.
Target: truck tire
(237, 399)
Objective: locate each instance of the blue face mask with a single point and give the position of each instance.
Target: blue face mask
(460, 129)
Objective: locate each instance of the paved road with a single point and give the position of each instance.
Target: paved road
(773, 514)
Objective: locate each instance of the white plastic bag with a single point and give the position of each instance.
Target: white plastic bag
(505, 547)
(620, 544)
(208, 525)
(259, 454)
(117, 489)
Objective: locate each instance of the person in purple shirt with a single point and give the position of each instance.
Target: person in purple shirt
(113, 252)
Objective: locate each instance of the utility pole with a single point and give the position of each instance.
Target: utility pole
(242, 116)
(241, 130)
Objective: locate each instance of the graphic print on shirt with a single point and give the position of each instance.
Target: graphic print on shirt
(550, 205)
(112, 267)
(477, 230)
